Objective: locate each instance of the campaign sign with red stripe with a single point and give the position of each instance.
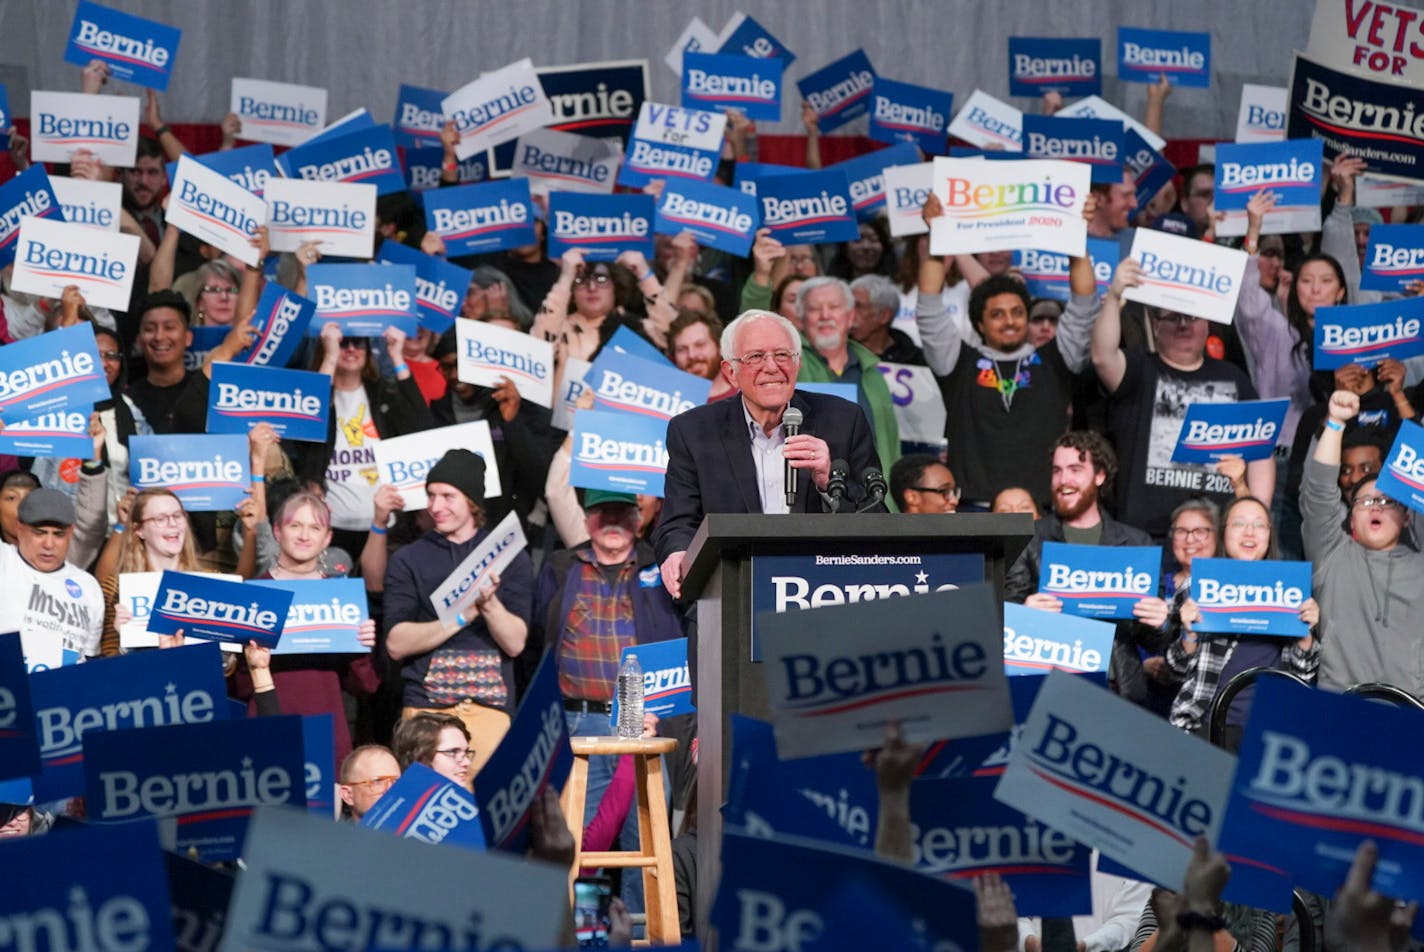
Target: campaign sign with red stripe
(424, 806)
(627, 383)
(277, 113)
(1402, 477)
(51, 372)
(667, 686)
(364, 299)
(836, 676)
(367, 155)
(1187, 276)
(1358, 116)
(1290, 168)
(137, 50)
(865, 174)
(1115, 777)
(489, 354)
(477, 219)
(28, 195)
(534, 754)
(339, 216)
(51, 255)
(19, 744)
(1097, 581)
(297, 403)
(717, 216)
(808, 207)
(1251, 598)
(1394, 259)
(1248, 429)
(325, 616)
(1036, 642)
(499, 106)
(208, 472)
(1318, 773)
(208, 776)
(1365, 334)
(840, 91)
(602, 226)
(142, 689)
(207, 607)
(731, 81)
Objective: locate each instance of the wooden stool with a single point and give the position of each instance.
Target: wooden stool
(654, 854)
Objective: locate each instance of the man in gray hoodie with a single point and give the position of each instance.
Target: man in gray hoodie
(1369, 583)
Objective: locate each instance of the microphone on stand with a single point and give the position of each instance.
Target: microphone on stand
(791, 426)
(875, 488)
(836, 486)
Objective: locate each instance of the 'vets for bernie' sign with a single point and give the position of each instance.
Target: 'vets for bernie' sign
(1005, 206)
(1067, 770)
(938, 681)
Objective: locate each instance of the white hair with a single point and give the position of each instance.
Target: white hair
(814, 284)
(880, 290)
(729, 333)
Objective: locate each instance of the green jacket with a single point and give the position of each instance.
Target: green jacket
(882, 409)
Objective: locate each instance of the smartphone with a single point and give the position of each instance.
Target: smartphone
(592, 894)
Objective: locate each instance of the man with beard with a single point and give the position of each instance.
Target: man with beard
(1083, 468)
(692, 338)
(827, 307)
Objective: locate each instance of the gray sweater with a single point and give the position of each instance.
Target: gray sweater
(1371, 602)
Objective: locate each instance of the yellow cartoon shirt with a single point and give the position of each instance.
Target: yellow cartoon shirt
(351, 474)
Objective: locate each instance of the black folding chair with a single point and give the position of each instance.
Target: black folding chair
(1222, 703)
(1379, 691)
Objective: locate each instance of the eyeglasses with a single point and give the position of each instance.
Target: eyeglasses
(349, 343)
(166, 519)
(1171, 317)
(110, 355)
(383, 782)
(1241, 525)
(599, 278)
(758, 357)
(458, 753)
(1195, 533)
(220, 291)
(946, 492)
(1375, 502)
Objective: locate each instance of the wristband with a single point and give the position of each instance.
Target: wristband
(119, 528)
(1335, 425)
(460, 619)
(378, 530)
(258, 478)
(1252, 246)
(1195, 920)
(158, 133)
(400, 369)
(449, 166)
(645, 276)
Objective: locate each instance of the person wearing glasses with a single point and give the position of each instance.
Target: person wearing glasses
(1368, 579)
(1148, 396)
(592, 299)
(1207, 664)
(920, 483)
(440, 742)
(731, 455)
(365, 776)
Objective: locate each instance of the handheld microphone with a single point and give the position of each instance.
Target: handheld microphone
(875, 488)
(836, 486)
(791, 426)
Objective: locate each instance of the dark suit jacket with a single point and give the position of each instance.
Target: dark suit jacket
(710, 467)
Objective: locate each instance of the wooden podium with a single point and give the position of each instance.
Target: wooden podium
(719, 575)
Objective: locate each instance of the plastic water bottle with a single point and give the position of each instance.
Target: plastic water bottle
(630, 699)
